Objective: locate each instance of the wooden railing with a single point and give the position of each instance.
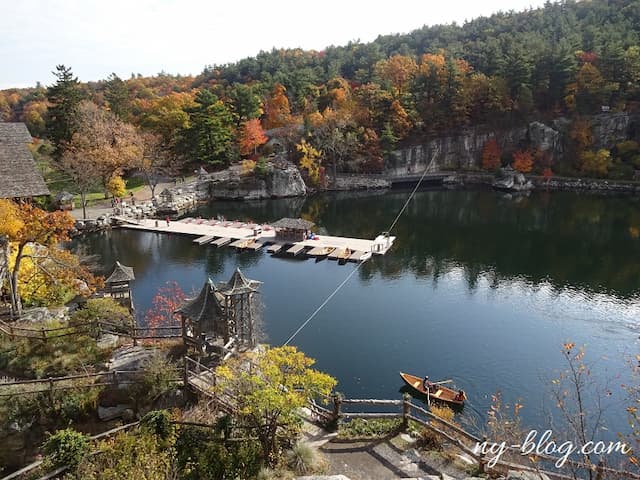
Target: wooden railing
(99, 327)
(71, 382)
(455, 435)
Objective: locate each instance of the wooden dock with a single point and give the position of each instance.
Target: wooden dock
(275, 248)
(248, 236)
(296, 249)
(221, 242)
(204, 239)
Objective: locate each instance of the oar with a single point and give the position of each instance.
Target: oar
(442, 382)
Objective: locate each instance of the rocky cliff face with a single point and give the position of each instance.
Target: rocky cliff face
(463, 150)
(282, 180)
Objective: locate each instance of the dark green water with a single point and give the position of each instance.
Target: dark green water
(478, 287)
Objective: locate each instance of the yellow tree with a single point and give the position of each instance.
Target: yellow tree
(310, 161)
(269, 394)
(25, 224)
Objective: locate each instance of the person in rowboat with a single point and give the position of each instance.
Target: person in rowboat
(427, 384)
(460, 397)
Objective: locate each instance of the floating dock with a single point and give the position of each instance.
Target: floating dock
(296, 249)
(275, 248)
(252, 237)
(204, 239)
(221, 242)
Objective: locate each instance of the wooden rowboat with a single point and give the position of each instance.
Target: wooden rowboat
(439, 392)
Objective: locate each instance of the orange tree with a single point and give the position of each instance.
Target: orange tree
(490, 155)
(522, 161)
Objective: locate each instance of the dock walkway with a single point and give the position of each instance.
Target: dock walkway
(252, 237)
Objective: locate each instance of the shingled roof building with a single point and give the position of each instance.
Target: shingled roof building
(118, 285)
(19, 175)
(292, 229)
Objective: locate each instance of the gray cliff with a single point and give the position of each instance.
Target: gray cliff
(463, 150)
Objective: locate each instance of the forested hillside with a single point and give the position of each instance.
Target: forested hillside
(571, 59)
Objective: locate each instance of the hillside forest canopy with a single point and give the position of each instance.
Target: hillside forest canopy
(363, 100)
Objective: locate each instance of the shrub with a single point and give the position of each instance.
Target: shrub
(359, 428)
(269, 474)
(443, 412)
(158, 422)
(303, 459)
(262, 167)
(158, 377)
(66, 447)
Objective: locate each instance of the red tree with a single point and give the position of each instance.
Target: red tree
(490, 155)
(522, 161)
(166, 301)
(251, 137)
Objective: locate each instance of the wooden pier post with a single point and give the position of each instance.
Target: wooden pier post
(337, 407)
(406, 410)
(185, 372)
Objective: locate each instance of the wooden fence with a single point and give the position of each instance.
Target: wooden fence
(91, 328)
(455, 435)
(113, 378)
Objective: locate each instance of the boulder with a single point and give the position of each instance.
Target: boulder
(130, 358)
(110, 413)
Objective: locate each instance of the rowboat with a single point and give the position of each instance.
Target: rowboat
(439, 392)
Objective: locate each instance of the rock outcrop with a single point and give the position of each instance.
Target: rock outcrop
(282, 179)
(463, 150)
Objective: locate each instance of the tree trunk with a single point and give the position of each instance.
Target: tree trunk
(4, 261)
(83, 199)
(16, 304)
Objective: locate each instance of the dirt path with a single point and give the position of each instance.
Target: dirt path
(104, 207)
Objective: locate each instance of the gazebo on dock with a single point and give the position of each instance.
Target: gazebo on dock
(292, 229)
(221, 315)
(118, 285)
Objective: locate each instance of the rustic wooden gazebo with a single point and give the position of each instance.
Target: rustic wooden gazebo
(292, 229)
(118, 285)
(202, 317)
(240, 307)
(221, 315)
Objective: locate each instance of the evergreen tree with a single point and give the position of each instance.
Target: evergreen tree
(116, 93)
(210, 134)
(64, 97)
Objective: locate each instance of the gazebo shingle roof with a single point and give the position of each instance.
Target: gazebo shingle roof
(205, 308)
(293, 223)
(19, 175)
(121, 273)
(239, 284)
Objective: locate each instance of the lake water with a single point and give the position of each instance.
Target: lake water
(479, 287)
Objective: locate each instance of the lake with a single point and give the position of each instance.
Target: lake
(479, 287)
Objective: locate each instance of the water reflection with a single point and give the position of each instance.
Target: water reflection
(478, 287)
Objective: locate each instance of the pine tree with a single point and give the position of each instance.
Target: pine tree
(64, 97)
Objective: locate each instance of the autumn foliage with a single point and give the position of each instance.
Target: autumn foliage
(522, 161)
(276, 108)
(166, 301)
(38, 267)
(251, 137)
(491, 155)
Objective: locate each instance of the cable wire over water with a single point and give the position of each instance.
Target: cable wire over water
(343, 283)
